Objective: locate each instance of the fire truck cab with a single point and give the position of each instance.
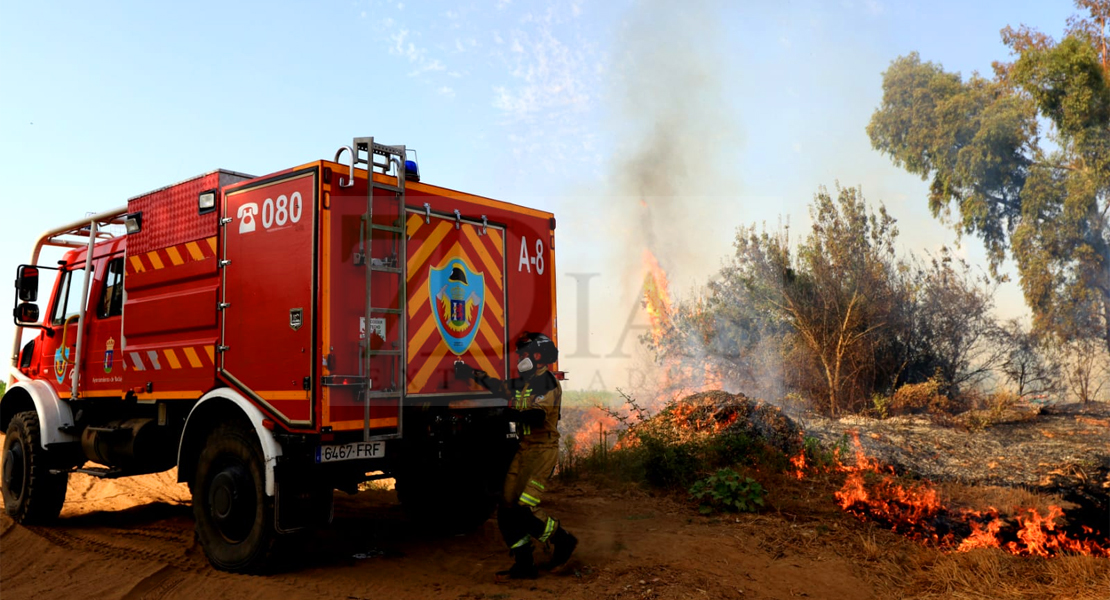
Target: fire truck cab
(273, 339)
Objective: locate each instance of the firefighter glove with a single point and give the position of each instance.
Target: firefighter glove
(463, 371)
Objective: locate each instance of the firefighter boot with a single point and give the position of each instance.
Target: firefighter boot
(564, 544)
(523, 567)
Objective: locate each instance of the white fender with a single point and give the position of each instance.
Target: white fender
(53, 412)
(271, 449)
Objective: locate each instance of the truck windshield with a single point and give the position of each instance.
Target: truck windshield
(68, 302)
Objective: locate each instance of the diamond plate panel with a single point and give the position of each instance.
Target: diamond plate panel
(170, 214)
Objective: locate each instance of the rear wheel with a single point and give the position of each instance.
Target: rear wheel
(32, 495)
(234, 516)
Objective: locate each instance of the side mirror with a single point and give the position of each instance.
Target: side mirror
(27, 312)
(27, 282)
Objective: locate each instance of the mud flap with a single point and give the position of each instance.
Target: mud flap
(302, 500)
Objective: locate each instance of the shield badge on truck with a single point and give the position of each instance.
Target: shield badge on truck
(458, 296)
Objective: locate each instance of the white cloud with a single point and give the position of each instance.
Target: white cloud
(463, 45)
(501, 4)
(416, 55)
(552, 77)
(426, 66)
(446, 91)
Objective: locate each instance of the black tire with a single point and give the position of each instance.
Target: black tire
(32, 495)
(234, 516)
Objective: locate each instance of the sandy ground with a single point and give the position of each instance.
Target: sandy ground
(133, 538)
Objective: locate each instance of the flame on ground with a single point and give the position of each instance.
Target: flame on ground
(915, 509)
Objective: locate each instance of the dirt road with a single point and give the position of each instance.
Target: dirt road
(133, 538)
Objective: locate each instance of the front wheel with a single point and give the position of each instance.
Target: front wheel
(234, 517)
(32, 495)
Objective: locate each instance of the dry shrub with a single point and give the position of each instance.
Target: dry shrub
(920, 397)
(1001, 401)
(989, 409)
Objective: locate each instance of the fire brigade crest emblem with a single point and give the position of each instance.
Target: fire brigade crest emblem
(61, 364)
(109, 350)
(458, 296)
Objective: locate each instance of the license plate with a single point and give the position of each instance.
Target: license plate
(352, 451)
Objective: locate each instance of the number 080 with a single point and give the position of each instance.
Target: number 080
(285, 210)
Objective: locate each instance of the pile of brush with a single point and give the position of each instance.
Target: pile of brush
(716, 412)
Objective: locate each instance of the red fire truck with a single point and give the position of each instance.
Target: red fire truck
(276, 338)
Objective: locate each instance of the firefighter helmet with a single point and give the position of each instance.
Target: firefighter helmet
(532, 344)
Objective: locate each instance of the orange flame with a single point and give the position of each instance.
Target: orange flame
(598, 427)
(680, 377)
(799, 463)
(871, 491)
(657, 297)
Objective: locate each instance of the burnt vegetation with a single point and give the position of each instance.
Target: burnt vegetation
(842, 323)
(897, 362)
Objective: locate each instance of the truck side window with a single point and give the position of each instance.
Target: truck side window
(69, 298)
(111, 296)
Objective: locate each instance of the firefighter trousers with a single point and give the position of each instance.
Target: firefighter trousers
(520, 516)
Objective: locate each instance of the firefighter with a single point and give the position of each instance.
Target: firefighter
(535, 403)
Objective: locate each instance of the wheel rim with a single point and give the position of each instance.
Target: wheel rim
(14, 468)
(231, 502)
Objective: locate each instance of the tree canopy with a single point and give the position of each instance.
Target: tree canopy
(1021, 160)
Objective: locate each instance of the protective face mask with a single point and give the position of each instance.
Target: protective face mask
(525, 365)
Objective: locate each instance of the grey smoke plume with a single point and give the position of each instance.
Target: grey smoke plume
(677, 137)
(678, 145)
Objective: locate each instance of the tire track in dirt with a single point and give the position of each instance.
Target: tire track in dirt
(117, 545)
(155, 586)
(8, 527)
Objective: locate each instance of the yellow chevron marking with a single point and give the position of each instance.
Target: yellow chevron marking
(211, 354)
(428, 246)
(175, 256)
(420, 291)
(137, 264)
(212, 244)
(483, 362)
(194, 251)
(495, 237)
(495, 307)
(429, 365)
(414, 223)
(171, 356)
(492, 339)
(421, 336)
(492, 267)
(194, 360)
(155, 260)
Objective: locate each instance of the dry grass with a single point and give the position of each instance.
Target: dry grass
(991, 573)
(1005, 499)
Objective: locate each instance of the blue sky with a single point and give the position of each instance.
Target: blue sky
(527, 102)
